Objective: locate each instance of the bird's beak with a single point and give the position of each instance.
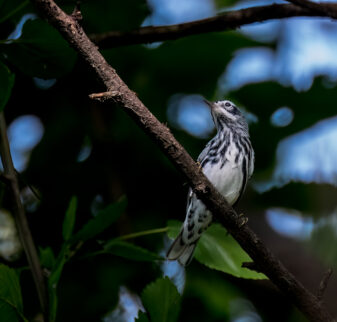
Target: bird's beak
(210, 104)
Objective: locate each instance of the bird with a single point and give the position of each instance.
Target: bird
(228, 162)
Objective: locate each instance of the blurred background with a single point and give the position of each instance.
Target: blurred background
(281, 73)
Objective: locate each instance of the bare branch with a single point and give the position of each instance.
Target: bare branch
(323, 284)
(25, 235)
(227, 21)
(161, 135)
(320, 8)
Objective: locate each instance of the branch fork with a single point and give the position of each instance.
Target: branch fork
(105, 97)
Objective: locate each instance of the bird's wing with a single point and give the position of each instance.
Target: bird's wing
(201, 157)
(245, 173)
(251, 163)
(204, 152)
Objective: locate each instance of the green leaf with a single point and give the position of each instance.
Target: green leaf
(129, 251)
(218, 250)
(7, 312)
(161, 300)
(102, 221)
(11, 307)
(96, 225)
(7, 81)
(215, 292)
(58, 267)
(40, 51)
(54, 279)
(69, 219)
(47, 257)
(10, 290)
(174, 227)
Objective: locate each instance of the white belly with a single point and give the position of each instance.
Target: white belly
(227, 180)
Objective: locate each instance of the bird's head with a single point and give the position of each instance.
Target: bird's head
(226, 115)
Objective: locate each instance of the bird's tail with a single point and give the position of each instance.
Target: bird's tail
(181, 251)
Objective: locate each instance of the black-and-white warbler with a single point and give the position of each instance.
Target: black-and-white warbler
(228, 162)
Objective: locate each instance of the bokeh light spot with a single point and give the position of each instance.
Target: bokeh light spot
(190, 113)
(24, 133)
(282, 117)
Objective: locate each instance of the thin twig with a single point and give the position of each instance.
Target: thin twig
(161, 135)
(14, 11)
(20, 218)
(77, 14)
(226, 21)
(323, 284)
(318, 7)
(144, 233)
(105, 96)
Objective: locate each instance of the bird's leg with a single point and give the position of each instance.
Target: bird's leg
(243, 220)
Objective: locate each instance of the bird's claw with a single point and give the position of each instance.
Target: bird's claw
(242, 220)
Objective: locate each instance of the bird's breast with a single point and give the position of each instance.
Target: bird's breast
(226, 175)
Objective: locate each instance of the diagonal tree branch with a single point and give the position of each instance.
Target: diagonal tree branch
(223, 22)
(25, 235)
(161, 135)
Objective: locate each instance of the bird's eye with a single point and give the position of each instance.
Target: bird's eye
(228, 104)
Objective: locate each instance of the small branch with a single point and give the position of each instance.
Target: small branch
(105, 96)
(77, 14)
(143, 233)
(75, 249)
(323, 284)
(227, 21)
(320, 8)
(11, 180)
(161, 135)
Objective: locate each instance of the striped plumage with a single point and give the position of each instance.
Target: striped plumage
(228, 162)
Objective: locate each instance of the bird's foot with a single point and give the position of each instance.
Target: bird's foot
(199, 165)
(242, 220)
